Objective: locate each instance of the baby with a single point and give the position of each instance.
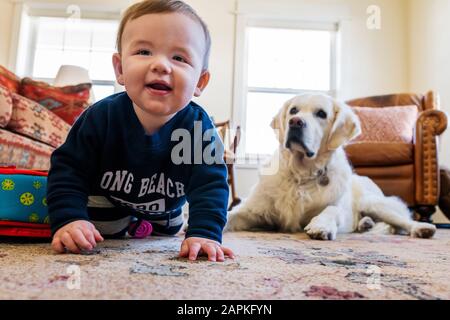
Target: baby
(122, 158)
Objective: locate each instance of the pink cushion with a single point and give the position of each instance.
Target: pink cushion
(31, 119)
(387, 124)
(5, 106)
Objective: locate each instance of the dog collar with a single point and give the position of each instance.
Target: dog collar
(321, 176)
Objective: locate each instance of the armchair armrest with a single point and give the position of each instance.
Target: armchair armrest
(430, 124)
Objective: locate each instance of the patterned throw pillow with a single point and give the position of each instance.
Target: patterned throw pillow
(31, 119)
(67, 102)
(9, 80)
(5, 106)
(387, 124)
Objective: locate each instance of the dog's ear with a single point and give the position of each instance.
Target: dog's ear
(345, 127)
(275, 125)
(278, 122)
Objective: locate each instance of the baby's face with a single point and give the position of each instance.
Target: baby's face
(162, 61)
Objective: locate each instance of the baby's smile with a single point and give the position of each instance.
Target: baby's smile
(159, 87)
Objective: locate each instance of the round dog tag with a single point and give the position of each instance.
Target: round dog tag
(324, 181)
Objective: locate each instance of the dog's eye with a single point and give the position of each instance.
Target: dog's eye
(293, 111)
(321, 114)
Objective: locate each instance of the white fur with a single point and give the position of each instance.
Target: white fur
(293, 199)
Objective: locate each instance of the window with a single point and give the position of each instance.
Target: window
(278, 61)
(84, 42)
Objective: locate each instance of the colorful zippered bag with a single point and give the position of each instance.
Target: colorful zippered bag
(23, 203)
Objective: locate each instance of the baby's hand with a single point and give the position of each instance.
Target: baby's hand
(76, 236)
(191, 247)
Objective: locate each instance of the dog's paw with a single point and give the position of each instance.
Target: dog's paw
(321, 231)
(365, 224)
(423, 230)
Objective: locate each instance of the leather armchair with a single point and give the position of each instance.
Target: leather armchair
(409, 171)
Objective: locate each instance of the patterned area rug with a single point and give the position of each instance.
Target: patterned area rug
(268, 266)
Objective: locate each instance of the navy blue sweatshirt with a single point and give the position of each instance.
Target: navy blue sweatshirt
(107, 153)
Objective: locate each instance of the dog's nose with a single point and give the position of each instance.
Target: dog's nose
(297, 122)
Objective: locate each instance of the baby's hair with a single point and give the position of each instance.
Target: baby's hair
(163, 6)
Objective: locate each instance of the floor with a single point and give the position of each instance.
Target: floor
(267, 266)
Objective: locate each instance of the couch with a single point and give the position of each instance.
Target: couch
(398, 147)
(35, 118)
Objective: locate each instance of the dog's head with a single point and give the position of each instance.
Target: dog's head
(313, 123)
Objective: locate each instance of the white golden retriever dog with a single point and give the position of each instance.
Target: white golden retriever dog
(314, 188)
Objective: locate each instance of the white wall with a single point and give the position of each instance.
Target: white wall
(430, 55)
(218, 15)
(430, 58)
(6, 15)
(374, 61)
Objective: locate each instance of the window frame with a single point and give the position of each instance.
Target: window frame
(34, 11)
(241, 89)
